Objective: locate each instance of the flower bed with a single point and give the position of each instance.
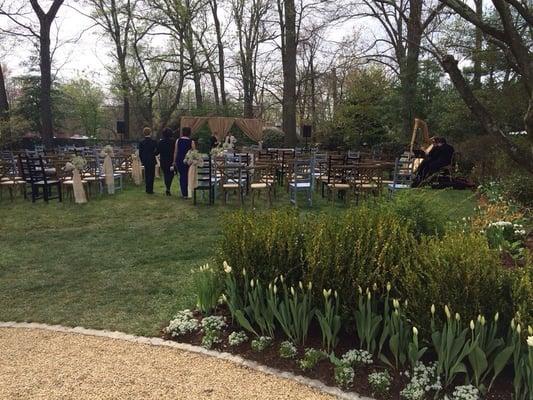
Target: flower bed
(324, 369)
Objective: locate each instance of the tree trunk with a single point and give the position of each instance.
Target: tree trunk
(220, 47)
(409, 72)
(125, 87)
(524, 159)
(334, 90)
(289, 74)
(478, 47)
(45, 109)
(4, 103)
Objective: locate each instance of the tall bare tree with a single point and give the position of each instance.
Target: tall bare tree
(115, 17)
(41, 34)
(251, 33)
(289, 43)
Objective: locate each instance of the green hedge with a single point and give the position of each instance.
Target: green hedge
(361, 247)
(375, 245)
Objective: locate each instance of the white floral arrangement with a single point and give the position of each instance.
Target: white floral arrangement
(380, 382)
(107, 151)
(424, 380)
(237, 338)
(357, 357)
(465, 392)
(182, 323)
(287, 349)
(344, 375)
(194, 157)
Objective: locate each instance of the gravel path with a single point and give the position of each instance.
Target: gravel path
(37, 364)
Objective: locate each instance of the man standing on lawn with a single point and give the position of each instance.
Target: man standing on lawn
(147, 153)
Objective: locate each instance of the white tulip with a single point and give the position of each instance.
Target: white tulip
(336, 295)
(433, 309)
(252, 283)
(301, 285)
(325, 293)
(270, 286)
(530, 341)
(227, 268)
(447, 311)
(518, 329)
(395, 303)
(472, 325)
(457, 316)
(389, 287)
(360, 290)
(375, 286)
(281, 278)
(483, 321)
(275, 289)
(368, 295)
(479, 318)
(292, 290)
(243, 272)
(224, 297)
(415, 331)
(512, 324)
(310, 286)
(496, 317)
(530, 330)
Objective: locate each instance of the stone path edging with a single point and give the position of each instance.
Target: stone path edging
(153, 341)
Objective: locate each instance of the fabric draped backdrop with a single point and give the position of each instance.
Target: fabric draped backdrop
(220, 125)
(108, 172)
(77, 188)
(194, 123)
(253, 128)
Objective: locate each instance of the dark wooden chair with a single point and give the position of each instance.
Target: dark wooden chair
(35, 175)
(207, 180)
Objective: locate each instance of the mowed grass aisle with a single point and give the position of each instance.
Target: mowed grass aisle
(122, 262)
(119, 262)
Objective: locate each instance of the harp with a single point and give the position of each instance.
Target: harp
(425, 143)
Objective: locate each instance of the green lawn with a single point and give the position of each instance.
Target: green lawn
(119, 262)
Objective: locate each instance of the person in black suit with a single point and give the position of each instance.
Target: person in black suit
(147, 153)
(213, 141)
(440, 156)
(165, 147)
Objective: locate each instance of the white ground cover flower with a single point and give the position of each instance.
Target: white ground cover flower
(465, 392)
(287, 350)
(344, 375)
(357, 357)
(213, 323)
(424, 379)
(182, 323)
(380, 382)
(237, 338)
(261, 343)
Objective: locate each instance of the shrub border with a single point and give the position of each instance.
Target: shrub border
(154, 341)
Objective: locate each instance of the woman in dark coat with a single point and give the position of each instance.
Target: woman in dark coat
(166, 157)
(183, 145)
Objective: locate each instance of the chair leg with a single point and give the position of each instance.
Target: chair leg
(253, 197)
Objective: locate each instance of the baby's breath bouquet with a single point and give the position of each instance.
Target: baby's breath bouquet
(107, 151)
(194, 157)
(217, 151)
(69, 167)
(79, 162)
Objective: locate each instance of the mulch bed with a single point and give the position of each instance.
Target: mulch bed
(501, 390)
